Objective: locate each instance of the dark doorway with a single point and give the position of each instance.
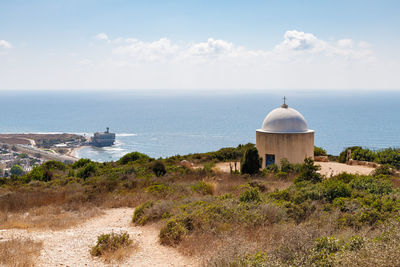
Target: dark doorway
(269, 159)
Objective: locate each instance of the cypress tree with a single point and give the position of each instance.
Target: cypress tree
(251, 162)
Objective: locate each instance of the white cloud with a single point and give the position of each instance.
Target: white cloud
(159, 50)
(5, 44)
(102, 36)
(301, 60)
(301, 41)
(212, 48)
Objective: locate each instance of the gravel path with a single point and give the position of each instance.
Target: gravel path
(70, 247)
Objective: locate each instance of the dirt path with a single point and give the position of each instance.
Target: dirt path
(70, 247)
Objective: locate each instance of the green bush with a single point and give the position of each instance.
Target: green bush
(384, 169)
(286, 166)
(172, 233)
(158, 168)
(309, 172)
(110, 242)
(54, 165)
(159, 189)
(318, 151)
(138, 214)
(282, 175)
(202, 188)
(17, 170)
(39, 173)
(355, 242)
(252, 194)
(328, 244)
(272, 168)
(390, 156)
(80, 163)
(251, 162)
(132, 157)
(372, 185)
(333, 188)
(87, 170)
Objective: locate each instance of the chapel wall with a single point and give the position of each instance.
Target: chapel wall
(293, 146)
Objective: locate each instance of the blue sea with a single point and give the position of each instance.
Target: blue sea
(166, 122)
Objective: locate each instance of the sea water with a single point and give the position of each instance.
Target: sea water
(166, 122)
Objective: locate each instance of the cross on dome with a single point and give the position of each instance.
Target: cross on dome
(284, 105)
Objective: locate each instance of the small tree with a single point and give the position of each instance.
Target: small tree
(17, 170)
(309, 172)
(158, 168)
(251, 162)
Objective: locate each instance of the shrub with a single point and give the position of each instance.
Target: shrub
(17, 170)
(159, 189)
(258, 259)
(282, 175)
(87, 170)
(390, 156)
(286, 166)
(384, 169)
(158, 168)
(260, 185)
(171, 234)
(54, 165)
(250, 162)
(252, 194)
(80, 163)
(318, 151)
(110, 243)
(372, 185)
(355, 242)
(202, 188)
(272, 168)
(333, 188)
(309, 172)
(138, 215)
(328, 244)
(133, 156)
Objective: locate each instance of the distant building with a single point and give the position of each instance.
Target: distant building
(103, 139)
(284, 134)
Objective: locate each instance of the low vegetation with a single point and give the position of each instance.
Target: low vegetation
(388, 156)
(113, 247)
(280, 216)
(19, 252)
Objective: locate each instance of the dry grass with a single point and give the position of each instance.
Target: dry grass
(23, 199)
(119, 255)
(18, 252)
(47, 217)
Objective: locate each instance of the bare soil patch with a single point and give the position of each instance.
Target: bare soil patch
(71, 246)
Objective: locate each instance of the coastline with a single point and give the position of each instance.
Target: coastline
(73, 152)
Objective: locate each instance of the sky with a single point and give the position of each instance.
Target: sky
(191, 45)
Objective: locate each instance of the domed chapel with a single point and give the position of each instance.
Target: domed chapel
(284, 134)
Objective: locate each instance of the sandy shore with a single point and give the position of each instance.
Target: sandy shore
(73, 152)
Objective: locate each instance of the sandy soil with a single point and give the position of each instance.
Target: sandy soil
(332, 168)
(224, 166)
(327, 168)
(70, 247)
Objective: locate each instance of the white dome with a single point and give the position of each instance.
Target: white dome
(285, 120)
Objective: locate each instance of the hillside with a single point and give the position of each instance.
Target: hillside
(192, 214)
